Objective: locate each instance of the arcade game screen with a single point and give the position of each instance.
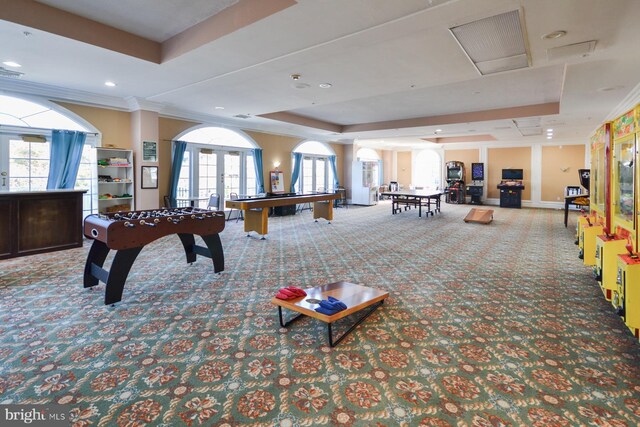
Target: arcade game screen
(477, 171)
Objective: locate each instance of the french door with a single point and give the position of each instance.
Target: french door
(214, 171)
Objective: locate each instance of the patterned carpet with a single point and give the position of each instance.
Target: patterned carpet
(486, 325)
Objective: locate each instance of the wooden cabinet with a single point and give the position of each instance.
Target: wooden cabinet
(115, 180)
(40, 221)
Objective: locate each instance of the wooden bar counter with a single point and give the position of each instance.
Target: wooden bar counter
(40, 221)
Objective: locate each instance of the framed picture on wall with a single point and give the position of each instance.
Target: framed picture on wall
(149, 177)
(149, 151)
(277, 181)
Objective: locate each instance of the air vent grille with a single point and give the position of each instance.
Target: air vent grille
(494, 44)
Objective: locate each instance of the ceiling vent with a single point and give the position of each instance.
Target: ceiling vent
(10, 73)
(571, 50)
(494, 44)
(241, 116)
(529, 126)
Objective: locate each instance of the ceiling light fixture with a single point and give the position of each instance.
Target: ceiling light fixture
(219, 108)
(325, 85)
(296, 76)
(109, 83)
(12, 64)
(554, 35)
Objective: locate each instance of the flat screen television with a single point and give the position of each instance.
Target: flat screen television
(477, 171)
(512, 175)
(454, 173)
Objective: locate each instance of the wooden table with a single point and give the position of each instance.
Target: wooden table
(256, 209)
(355, 297)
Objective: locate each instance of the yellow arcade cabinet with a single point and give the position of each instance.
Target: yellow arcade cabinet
(627, 297)
(622, 204)
(608, 244)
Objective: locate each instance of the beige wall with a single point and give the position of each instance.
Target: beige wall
(507, 158)
(115, 126)
(275, 148)
(560, 164)
(404, 168)
(465, 156)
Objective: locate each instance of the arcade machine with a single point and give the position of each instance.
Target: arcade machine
(511, 188)
(455, 191)
(477, 183)
(624, 215)
(589, 229)
(608, 245)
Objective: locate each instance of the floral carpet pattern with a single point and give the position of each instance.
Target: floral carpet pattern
(486, 325)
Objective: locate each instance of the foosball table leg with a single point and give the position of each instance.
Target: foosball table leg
(189, 244)
(97, 254)
(216, 253)
(120, 268)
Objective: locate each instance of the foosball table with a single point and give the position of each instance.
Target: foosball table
(129, 232)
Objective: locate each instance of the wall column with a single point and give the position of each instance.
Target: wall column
(144, 127)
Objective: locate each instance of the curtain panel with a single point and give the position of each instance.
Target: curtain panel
(65, 155)
(334, 168)
(295, 174)
(179, 147)
(257, 161)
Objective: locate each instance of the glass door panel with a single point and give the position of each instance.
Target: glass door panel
(599, 178)
(320, 172)
(307, 175)
(623, 192)
(231, 174)
(207, 176)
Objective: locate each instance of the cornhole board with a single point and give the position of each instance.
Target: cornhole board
(483, 216)
(356, 297)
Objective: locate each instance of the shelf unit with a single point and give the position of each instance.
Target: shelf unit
(115, 179)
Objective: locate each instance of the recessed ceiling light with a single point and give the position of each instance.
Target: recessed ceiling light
(549, 130)
(219, 108)
(549, 136)
(109, 83)
(325, 85)
(438, 130)
(12, 64)
(555, 35)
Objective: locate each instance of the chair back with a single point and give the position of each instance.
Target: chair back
(393, 186)
(167, 202)
(214, 202)
(233, 196)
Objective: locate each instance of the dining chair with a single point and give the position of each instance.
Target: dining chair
(214, 202)
(240, 216)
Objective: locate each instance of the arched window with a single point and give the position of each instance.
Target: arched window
(217, 161)
(25, 136)
(316, 172)
(427, 169)
(367, 154)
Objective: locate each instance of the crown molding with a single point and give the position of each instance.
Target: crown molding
(631, 100)
(62, 94)
(136, 104)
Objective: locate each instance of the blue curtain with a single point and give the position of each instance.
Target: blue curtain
(179, 147)
(257, 161)
(380, 174)
(297, 165)
(66, 152)
(334, 168)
